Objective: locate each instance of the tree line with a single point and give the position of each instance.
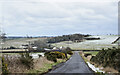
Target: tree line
(73, 37)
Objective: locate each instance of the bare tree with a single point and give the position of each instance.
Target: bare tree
(2, 39)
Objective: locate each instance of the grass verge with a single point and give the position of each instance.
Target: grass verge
(47, 67)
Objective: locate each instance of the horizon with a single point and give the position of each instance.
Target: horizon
(55, 35)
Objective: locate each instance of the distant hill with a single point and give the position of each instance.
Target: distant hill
(15, 37)
(73, 37)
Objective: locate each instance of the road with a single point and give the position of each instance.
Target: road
(74, 65)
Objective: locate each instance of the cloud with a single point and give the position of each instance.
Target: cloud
(38, 17)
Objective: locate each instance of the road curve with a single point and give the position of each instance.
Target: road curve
(74, 65)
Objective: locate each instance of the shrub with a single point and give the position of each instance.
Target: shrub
(59, 55)
(46, 53)
(39, 55)
(70, 52)
(52, 56)
(12, 47)
(68, 49)
(27, 60)
(87, 54)
(4, 67)
(108, 57)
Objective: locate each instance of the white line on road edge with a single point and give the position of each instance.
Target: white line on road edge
(94, 68)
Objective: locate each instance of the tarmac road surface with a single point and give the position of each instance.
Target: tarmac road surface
(74, 65)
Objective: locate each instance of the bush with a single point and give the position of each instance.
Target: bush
(27, 60)
(4, 67)
(39, 55)
(52, 56)
(70, 52)
(68, 49)
(12, 47)
(59, 55)
(108, 57)
(87, 54)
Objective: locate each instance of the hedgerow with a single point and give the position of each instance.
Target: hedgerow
(108, 57)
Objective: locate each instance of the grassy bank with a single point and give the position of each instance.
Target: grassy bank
(108, 58)
(17, 64)
(48, 66)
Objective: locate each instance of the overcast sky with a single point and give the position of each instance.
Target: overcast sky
(59, 17)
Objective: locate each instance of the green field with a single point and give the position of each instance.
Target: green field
(20, 41)
(104, 42)
(92, 52)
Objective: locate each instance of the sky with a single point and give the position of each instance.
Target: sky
(58, 17)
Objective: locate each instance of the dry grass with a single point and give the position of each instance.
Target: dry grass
(39, 63)
(110, 70)
(14, 64)
(106, 69)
